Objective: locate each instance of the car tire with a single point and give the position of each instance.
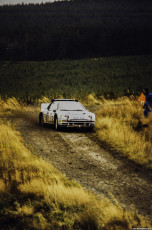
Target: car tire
(41, 119)
(56, 125)
(91, 129)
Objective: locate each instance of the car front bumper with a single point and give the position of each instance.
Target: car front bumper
(77, 123)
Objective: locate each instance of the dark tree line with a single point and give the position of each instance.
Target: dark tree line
(75, 29)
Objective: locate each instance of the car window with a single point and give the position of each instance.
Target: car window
(53, 106)
(70, 106)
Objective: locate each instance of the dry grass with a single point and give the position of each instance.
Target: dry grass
(121, 124)
(35, 195)
(9, 105)
(92, 100)
(12, 105)
(43, 99)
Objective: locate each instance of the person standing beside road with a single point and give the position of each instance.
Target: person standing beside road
(148, 104)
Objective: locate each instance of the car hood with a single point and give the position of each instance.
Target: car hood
(77, 114)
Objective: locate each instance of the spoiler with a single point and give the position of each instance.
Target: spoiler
(64, 100)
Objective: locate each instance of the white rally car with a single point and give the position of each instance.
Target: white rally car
(66, 113)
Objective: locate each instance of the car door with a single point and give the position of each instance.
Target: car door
(50, 113)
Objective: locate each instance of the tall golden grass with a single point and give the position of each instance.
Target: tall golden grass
(11, 105)
(34, 195)
(121, 123)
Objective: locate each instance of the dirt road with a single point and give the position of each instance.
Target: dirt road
(81, 156)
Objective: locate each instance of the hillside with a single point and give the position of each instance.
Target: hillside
(75, 29)
(110, 77)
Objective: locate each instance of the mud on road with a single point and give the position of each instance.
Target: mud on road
(82, 157)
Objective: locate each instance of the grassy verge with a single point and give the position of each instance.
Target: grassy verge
(34, 195)
(121, 124)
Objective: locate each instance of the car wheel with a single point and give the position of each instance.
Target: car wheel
(41, 120)
(56, 126)
(91, 129)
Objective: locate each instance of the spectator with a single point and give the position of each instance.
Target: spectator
(148, 103)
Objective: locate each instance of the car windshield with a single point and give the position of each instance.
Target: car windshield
(70, 106)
